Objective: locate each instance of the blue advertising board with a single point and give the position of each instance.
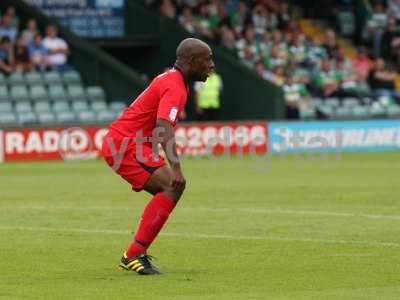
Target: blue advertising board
(334, 136)
(86, 18)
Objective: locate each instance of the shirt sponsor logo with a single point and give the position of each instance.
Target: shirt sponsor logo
(173, 113)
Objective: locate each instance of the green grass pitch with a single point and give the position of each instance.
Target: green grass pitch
(290, 228)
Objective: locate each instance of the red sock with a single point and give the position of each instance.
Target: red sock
(153, 218)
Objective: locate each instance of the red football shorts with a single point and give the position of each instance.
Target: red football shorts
(133, 162)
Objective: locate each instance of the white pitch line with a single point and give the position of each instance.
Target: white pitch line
(205, 236)
(277, 211)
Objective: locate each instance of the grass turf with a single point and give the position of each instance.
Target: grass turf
(290, 228)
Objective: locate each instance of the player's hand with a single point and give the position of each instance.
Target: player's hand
(178, 182)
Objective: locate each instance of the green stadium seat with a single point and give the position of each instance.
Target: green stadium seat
(86, 117)
(42, 106)
(98, 105)
(6, 107)
(332, 102)
(75, 91)
(393, 111)
(8, 119)
(38, 92)
(350, 102)
(46, 118)
(57, 92)
(23, 106)
(105, 116)
(27, 118)
(34, 78)
(327, 110)
(72, 77)
(95, 93)
(79, 105)
(61, 106)
(19, 92)
(65, 117)
(52, 77)
(3, 80)
(117, 106)
(16, 78)
(361, 111)
(4, 95)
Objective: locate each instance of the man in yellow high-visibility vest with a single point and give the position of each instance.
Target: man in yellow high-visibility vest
(207, 97)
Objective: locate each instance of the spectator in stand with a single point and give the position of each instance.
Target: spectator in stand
(394, 9)
(57, 48)
(330, 43)
(38, 53)
(283, 16)
(21, 56)
(6, 56)
(362, 64)
(240, 18)
(187, 20)
(390, 47)
(382, 80)
(30, 31)
(376, 26)
(327, 80)
(228, 39)
(167, 9)
(296, 97)
(277, 75)
(10, 11)
(7, 29)
(247, 42)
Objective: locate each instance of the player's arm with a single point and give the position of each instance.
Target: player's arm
(167, 140)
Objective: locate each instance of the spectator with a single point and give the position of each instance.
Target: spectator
(394, 9)
(330, 43)
(167, 9)
(382, 80)
(30, 31)
(187, 20)
(390, 47)
(362, 64)
(228, 38)
(376, 26)
(296, 97)
(38, 53)
(21, 56)
(327, 80)
(207, 97)
(277, 75)
(10, 11)
(240, 18)
(7, 29)
(6, 56)
(57, 48)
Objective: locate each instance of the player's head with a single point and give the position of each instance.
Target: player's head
(195, 58)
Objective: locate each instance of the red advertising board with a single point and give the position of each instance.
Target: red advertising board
(85, 142)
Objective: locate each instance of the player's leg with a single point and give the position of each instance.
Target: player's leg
(154, 215)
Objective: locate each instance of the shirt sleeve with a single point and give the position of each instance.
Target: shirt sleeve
(169, 106)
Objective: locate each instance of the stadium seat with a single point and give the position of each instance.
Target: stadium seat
(79, 105)
(23, 106)
(3, 80)
(52, 77)
(4, 95)
(5, 107)
(75, 91)
(34, 78)
(86, 117)
(42, 106)
(343, 112)
(61, 106)
(16, 78)
(8, 119)
(65, 117)
(95, 93)
(46, 118)
(27, 118)
(98, 105)
(308, 113)
(332, 102)
(117, 106)
(377, 111)
(38, 92)
(105, 116)
(393, 111)
(19, 92)
(350, 102)
(71, 77)
(361, 111)
(57, 92)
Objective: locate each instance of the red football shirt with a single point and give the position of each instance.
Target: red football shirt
(165, 98)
